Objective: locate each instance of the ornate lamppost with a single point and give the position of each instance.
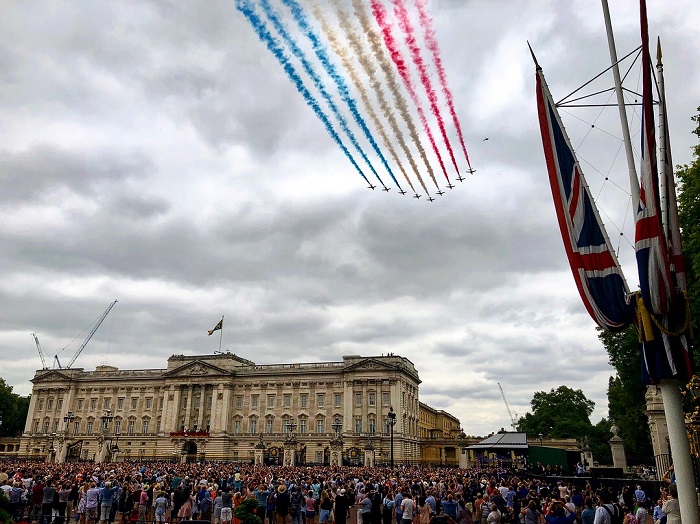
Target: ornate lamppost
(51, 451)
(337, 443)
(290, 443)
(260, 451)
(391, 419)
(106, 419)
(63, 437)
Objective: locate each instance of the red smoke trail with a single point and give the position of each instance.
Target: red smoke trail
(380, 15)
(429, 35)
(409, 35)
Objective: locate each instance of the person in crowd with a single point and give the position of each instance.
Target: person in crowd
(671, 508)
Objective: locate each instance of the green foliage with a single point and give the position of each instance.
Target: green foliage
(598, 441)
(689, 217)
(4, 504)
(245, 511)
(626, 401)
(14, 411)
(559, 413)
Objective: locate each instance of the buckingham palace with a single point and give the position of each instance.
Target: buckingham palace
(358, 411)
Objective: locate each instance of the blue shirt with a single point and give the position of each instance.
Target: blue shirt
(450, 508)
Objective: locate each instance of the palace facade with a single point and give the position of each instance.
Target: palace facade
(224, 407)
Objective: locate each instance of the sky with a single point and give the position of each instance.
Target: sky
(155, 153)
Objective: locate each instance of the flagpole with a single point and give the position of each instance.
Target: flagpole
(221, 335)
(670, 389)
(634, 181)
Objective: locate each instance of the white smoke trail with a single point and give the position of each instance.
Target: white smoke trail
(370, 70)
(392, 82)
(342, 52)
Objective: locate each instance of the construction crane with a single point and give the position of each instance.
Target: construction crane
(513, 415)
(41, 351)
(87, 339)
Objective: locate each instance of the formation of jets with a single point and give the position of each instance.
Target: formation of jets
(471, 171)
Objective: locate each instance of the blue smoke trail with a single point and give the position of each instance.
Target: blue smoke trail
(321, 52)
(264, 35)
(316, 79)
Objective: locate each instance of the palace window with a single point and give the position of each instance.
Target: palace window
(59, 404)
(120, 403)
(80, 404)
(358, 424)
(386, 399)
(320, 400)
(320, 425)
(134, 402)
(117, 426)
(268, 426)
(130, 427)
(253, 425)
(76, 427)
(254, 401)
(239, 401)
(49, 405)
(93, 404)
(287, 401)
(337, 400)
(358, 399)
(303, 400)
(106, 402)
(89, 427)
(372, 425)
(270, 401)
(149, 400)
(302, 425)
(145, 426)
(372, 399)
(237, 426)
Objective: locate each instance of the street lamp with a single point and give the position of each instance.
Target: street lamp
(337, 426)
(107, 419)
(391, 419)
(68, 420)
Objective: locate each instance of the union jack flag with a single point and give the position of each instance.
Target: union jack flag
(593, 262)
(665, 347)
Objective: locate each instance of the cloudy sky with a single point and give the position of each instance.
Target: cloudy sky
(155, 153)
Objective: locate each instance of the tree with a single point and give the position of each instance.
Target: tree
(689, 217)
(626, 392)
(14, 409)
(559, 413)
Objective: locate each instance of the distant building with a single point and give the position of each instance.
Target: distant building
(224, 407)
(440, 436)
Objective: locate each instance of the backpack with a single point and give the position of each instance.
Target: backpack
(617, 516)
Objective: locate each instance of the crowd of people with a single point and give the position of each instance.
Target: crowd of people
(126, 492)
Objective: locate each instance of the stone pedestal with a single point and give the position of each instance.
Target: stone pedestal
(369, 456)
(290, 452)
(618, 450)
(61, 450)
(336, 451)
